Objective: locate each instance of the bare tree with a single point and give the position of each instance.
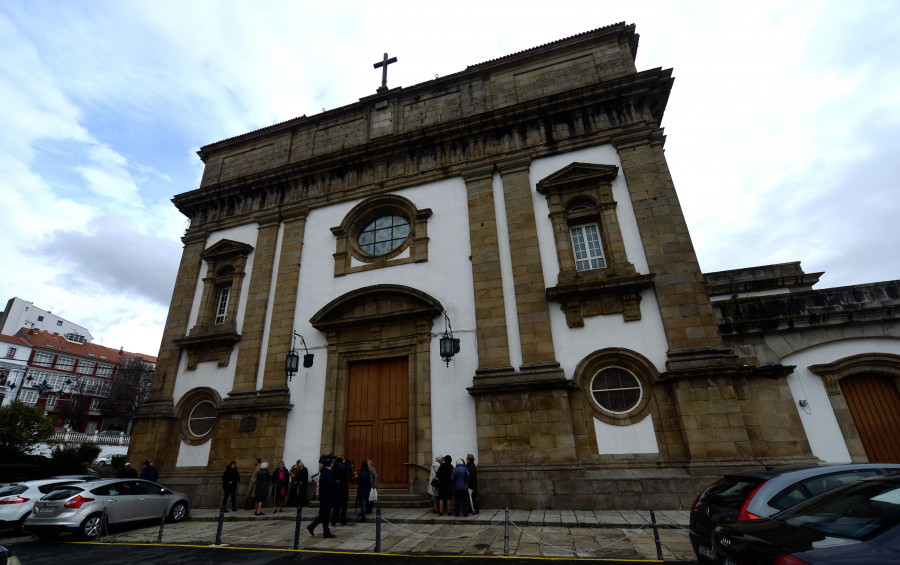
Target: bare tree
(129, 389)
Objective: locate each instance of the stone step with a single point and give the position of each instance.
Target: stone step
(392, 498)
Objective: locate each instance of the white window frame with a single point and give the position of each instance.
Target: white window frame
(28, 397)
(85, 367)
(11, 353)
(587, 246)
(51, 401)
(43, 359)
(222, 308)
(65, 363)
(95, 406)
(104, 370)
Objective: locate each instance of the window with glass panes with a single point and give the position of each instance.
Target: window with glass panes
(65, 363)
(43, 358)
(222, 308)
(587, 247)
(51, 401)
(85, 367)
(104, 370)
(383, 235)
(28, 397)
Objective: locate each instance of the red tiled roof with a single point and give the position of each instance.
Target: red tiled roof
(46, 340)
(14, 339)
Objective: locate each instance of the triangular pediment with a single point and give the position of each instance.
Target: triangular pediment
(577, 176)
(226, 248)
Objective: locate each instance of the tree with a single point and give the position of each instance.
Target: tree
(130, 388)
(22, 428)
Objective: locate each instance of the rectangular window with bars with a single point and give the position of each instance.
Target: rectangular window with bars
(222, 309)
(587, 247)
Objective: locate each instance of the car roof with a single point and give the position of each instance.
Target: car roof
(772, 472)
(41, 482)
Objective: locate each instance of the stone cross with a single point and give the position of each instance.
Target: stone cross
(384, 64)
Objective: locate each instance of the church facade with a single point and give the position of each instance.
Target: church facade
(524, 207)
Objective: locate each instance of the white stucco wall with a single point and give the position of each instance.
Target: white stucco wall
(818, 417)
(621, 440)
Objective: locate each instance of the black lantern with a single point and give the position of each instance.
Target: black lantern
(292, 361)
(449, 345)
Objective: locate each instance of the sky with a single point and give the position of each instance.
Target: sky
(782, 128)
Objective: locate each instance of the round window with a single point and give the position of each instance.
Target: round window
(383, 235)
(202, 418)
(616, 390)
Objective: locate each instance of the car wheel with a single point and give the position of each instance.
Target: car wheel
(101, 463)
(46, 535)
(178, 512)
(92, 526)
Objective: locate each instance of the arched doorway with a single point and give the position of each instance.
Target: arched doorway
(874, 404)
(378, 388)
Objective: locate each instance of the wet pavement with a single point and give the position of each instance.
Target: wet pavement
(536, 533)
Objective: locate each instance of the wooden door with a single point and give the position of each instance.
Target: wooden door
(874, 403)
(378, 418)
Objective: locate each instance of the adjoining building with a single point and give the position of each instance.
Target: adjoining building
(23, 314)
(523, 207)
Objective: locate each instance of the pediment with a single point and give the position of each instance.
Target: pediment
(384, 303)
(226, 248)
(578, 176)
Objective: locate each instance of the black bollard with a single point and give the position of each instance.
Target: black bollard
(297, 527)
(378, 530)
(162, 524)
(659, 554)
(506, 533)
(103, 519)
(219, 529)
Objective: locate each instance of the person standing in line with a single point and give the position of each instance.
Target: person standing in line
(363, 487)
(263, 482)
(433, 484)
(251, 488)
(299, 484)
(230, 479)
(126, 472)
(460, 479)
(281, 481)
(343, 474)
(327, 493)
(473, 482)
(149, 472)
(374, 474)
(445, 485)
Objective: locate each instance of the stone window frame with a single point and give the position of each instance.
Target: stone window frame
(583, 226)
(226, 262)
(185, 408)
(632, 362)
(347, 235)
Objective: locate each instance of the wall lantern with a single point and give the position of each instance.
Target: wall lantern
(449, 344)
(292, 361)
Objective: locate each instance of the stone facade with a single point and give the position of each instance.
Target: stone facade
(490, 174)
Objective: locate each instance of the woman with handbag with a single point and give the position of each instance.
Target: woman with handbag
(363, 487)
(433, 483)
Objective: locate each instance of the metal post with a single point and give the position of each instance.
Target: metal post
(162, 524)
(506, 533)
(659, 554)
(103, 520)
(219, 529)
(378, 530)
(297, 526)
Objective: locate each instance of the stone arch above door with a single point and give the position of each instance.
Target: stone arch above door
(374, 323)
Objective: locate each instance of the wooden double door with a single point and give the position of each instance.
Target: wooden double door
(874, 403)
(378, 418)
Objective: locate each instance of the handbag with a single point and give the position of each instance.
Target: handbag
(373, 495)
(435, 483)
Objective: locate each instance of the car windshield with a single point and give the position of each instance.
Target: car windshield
(730, 492)
(858, 511)
(63, 493)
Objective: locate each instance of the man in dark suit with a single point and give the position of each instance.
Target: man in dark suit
(327, 496)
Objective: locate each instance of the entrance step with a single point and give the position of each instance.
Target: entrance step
(392, 498)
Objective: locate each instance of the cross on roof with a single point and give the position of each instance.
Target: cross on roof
(384, 65)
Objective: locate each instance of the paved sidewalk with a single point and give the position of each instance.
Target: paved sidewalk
(536, 533)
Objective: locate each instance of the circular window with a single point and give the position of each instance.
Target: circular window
(383, 235)
(616, 390)
(202, 418)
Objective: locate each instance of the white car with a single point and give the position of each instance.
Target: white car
(17, 499)
(104, 461)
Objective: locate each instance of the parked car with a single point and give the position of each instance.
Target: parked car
(111, 433)
(857, 524)
(759, 494)
(17, 499)
(104, 460)
(7, 557)
(81, 507)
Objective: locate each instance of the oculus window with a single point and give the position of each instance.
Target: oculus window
(616, 390)
(383, 235)
(618, 385)
(197, 412)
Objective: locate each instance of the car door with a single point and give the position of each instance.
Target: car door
(118, 499)
(151, 504)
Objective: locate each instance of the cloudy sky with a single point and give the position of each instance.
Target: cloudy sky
(782, 128)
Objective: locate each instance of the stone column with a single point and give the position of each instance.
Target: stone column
(490, 312)
(257, 303)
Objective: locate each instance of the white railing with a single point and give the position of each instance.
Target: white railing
(77, 437)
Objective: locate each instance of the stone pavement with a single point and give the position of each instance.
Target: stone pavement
(534, 533)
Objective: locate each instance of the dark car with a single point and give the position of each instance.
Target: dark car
(857, 524)
(749, 495)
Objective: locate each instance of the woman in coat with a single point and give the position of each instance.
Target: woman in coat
(363, 486)
(433, 482)
(299, 484)
(281, 481)
(445, 485)
(263, 483)
(374, 475)
(230, 480)
(460, 479)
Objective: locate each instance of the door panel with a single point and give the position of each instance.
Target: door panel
(378, 418)
(874, 403)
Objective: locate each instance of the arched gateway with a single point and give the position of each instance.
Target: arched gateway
(378, 384)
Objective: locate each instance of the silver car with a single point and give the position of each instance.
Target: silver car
(17, 499)
(86, 508)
